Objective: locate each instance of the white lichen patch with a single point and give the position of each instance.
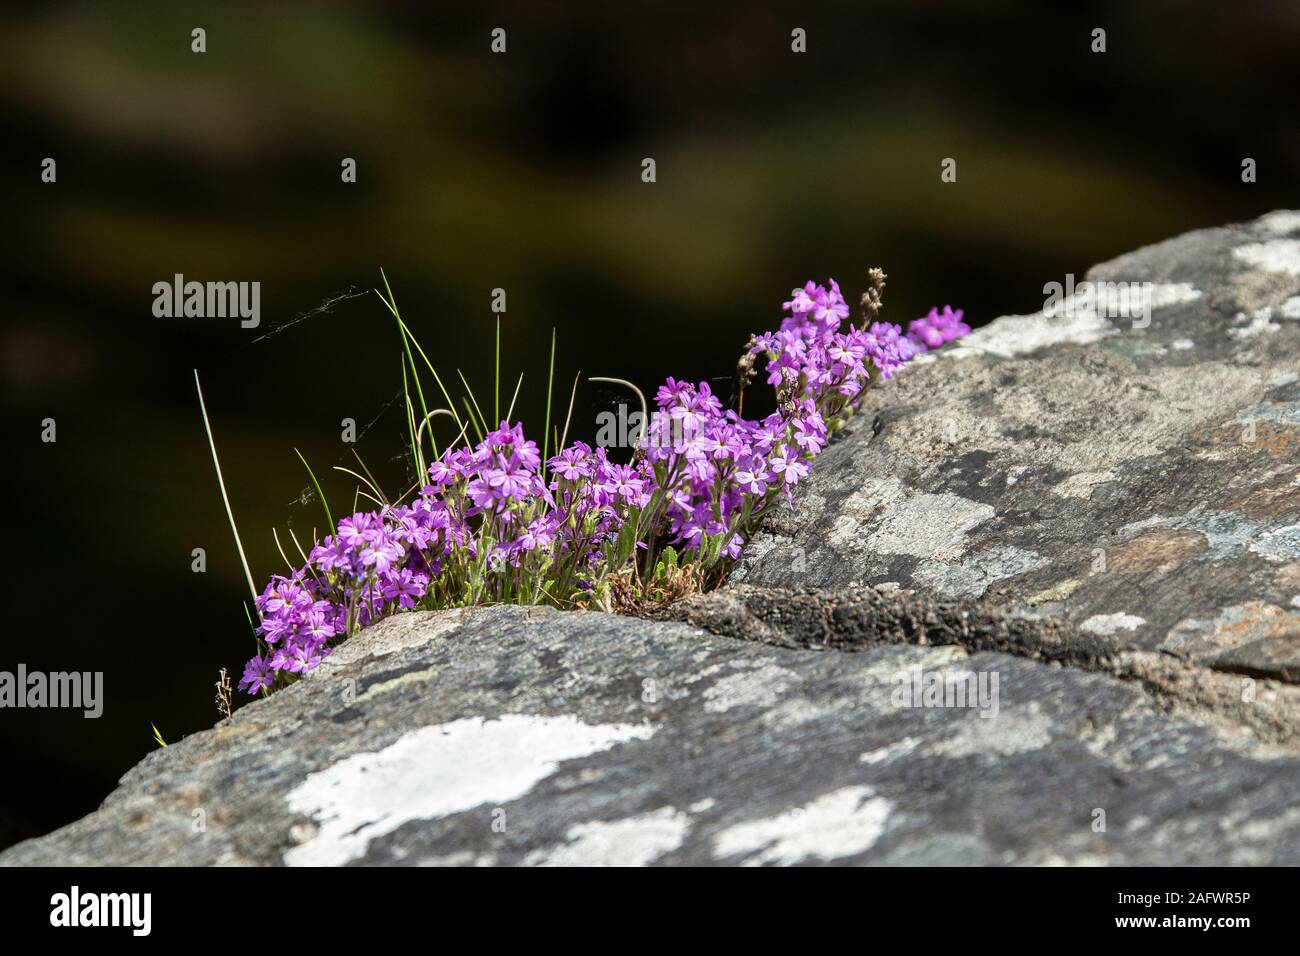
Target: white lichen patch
(1290, 309)
(634, 841)
(1274, 255)
(858, 508)
(1013, 731)
(1013, 335)
(1014, 473)
(1077, 322)
(1283, 544)
(1256, 324)
(972, 576)
(1286, 412)
(1108, 624)
(1102, 740)
(927, 526)
(799, 710)
(1165, 294)
(1182, 345)
(760, 687)
(708, 671)
(411, 678)
(436, 771)
(397, 633)
(877, 681)
(886, 754)
(840, 824)
(1082, 484)
(871, 494)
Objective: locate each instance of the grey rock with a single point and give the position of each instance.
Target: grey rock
(1140, 711)
(1142, 483)
(585, 738)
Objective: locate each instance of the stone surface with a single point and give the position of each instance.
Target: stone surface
(1142, 483)
(592, 739)
(1080, 647)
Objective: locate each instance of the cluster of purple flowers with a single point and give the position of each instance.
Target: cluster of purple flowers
(487, 527)
(712, 468)
(495, 525)
(811, 348)
(937, 328)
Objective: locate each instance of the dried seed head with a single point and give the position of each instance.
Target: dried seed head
(873, 298)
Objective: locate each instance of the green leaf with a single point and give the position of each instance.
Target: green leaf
(626, 540)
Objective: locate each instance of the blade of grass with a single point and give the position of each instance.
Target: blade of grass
(276, 535)
(408, 336)
(415, 373)
(221, 483)
(550, 387)
(511, 411)
(299, 547)
(320, 494)
(432, 371)
(374, 482)
(483, 426)
(369, 497)
(573, 396)
(417, 453)
(419, 432)
(364, 481)
(496, 382)
(469, 409)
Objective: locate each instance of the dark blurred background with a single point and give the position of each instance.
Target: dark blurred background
(519, 171)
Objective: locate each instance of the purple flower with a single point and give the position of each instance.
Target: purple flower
(574, 463)
(884, 342)
(787, 466)
(830, 308)
(752, 479)
(622, 480)
(257, 674)
(304, 656)
(937, 328)
(406, 587)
